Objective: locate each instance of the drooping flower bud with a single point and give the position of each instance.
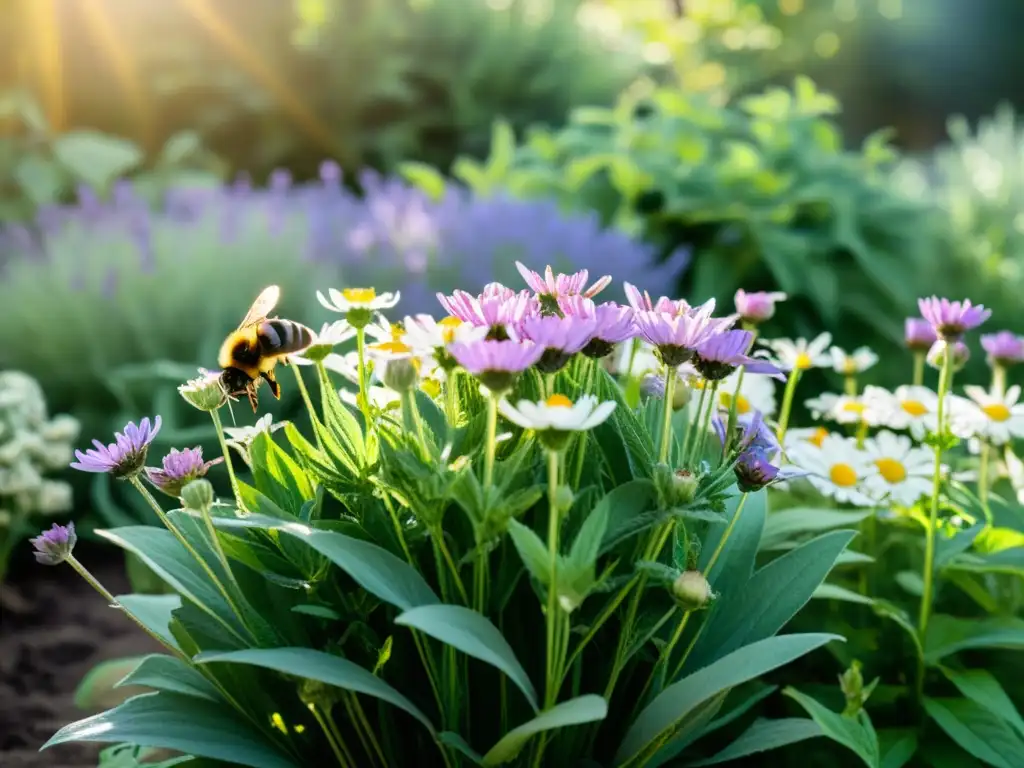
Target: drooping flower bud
(691, 590)
(53, 547)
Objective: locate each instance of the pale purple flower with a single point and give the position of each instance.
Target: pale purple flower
(560, 337)
(558, 286)
(918, 334)
(496, 363)
(641, 302)
(758, 306)
(675, 336)
(723, 353)
(753, 434)
(498, 308)
(53, 547)
(1004, 348)
(126, 456)
(951, 319)
(179, 469)
(613, 323)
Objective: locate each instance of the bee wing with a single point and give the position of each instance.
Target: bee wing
(263, 305)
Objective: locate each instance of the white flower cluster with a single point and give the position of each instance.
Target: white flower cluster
(31, 445)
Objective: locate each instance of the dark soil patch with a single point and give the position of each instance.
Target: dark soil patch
(53, 629)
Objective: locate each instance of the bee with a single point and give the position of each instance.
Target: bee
(250, 353)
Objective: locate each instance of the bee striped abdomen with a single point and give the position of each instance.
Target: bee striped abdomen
(282, 337)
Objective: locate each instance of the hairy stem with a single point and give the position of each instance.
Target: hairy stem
(219, 427)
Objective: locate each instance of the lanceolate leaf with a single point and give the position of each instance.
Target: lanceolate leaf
(981, 687)
(947, 635)
(531, 551)
(474, 635)
(167, 673)
(762, 736)
(584, 709)
(183, 723)
(735, 564)
(977, 731)
(787, 523)
(856, 734)
(320, 666)
(153, 612)
(670, 709)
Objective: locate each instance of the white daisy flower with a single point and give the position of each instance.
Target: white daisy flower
(910, 407)
(240, 438)
(644, 361)
(423, 332)
(995, 418)
(837, 469)
(801, 354)
(347, 299)
(330, 336)
(904, 472)
(558, 413)
(381, 398)
(821, 407)
(813, 436)
(851, 364)
(842, 409)
(757, 393)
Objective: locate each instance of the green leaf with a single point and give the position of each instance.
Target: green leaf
(583, 709)
(580, 170)
(735, 564)
(278, 476)
(781, 526)
(40, 179)
(95, 687)
(180, 147)
(835, 592)
(763, 735)
(454, 740)
(168, 673)
(587, 544)
(978, 731)
(153, 612)
(323, 667)
(182, 723)
(424, 177)
(624, 505)
(772, 596)
(474, 635)
(96, 158)
(532, 551)
(669, 710)
(319, 611)
(856, 734)
(947, 635)
(897, 747)
(981, 687)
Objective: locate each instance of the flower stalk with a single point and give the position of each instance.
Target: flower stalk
(787, 404)
(235, 488)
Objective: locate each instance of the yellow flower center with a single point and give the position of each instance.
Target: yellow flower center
(853, 407)
(914, 407)
(394, 347)
(432, 387)
(397, 332)
(996, 411)
(359, 295)
(892, 470)
(818, 437)
(803, 362)
(843, 475)
(448, 326)
(742, 404)
(849, 366)
(558, 401)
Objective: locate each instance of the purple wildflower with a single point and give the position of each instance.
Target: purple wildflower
(723, 353)
(641, 302)
(753, 434)
(496, 363)
(179, 469)
(675, 336)
(1004, 348)
(755, 471)
(918, 334)
(54, 546)
(499, 308)
(123, 458)
(558, 286)
(613, 323)
(951, 319)
(560, 337)
(758, 306)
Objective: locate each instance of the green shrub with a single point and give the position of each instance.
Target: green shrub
(762, 190)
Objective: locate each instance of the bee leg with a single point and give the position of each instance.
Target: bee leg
(253, 398)
(275, 388)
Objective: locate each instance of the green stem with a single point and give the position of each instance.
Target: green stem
(862, 433)
(437, 535)
(451, 399)
(341, 753)
(787, 404)
(552, 612)
(850, 385)
(702, 434)
(733, 411)
(983, 481)
(928, 577)
(393, 513)
(365, 724)
(411, 420)
(363, 398)
(998, 380)
(666, 414)
(492, 438)
(918, 368)
(309, 403)
(219, 427)
(692, 425)
(581, 441)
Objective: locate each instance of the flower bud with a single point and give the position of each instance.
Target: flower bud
(54, 546)
(961, 353)
(198, 496)
(691, 590)
(684, 486)
(206, 392)
(400, 374)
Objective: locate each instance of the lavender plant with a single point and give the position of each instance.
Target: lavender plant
(525, 563)
(32, 447)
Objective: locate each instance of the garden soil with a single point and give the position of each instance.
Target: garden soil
(53, 629)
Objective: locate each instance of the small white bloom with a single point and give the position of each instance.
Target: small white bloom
(851, 364)
(240, 438)
(347, 299)
(837, 469)
(843, 409)
(910, 407)
(812, 436)
(558, 413)
(381, 398)
(330, 336)
(801, 354)
(756, 393)
(423, 332)
(989, 416)
(905, 472)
